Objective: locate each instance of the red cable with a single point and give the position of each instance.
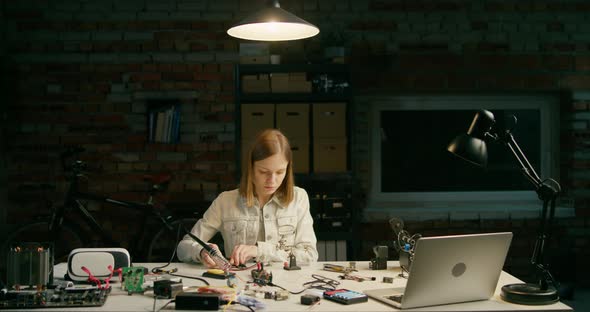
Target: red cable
(91, 277)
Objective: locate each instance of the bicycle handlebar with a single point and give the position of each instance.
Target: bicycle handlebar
(69, 152)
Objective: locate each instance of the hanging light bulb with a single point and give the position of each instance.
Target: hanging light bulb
(273, 24)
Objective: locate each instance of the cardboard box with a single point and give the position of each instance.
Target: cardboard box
(279, 82)
(299, 86)
(329, 155)
(293, 120)
(256, 83)
(255, 118)
(254, 49)
(329, 120)
(300, 153)
(255, 59)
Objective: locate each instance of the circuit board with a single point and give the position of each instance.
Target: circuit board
(58, 297)
(133, 279)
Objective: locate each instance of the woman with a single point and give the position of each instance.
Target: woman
(266, 218)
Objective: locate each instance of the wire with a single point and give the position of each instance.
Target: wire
(319, 282)
(162, 307)
(191, 277)
(159, 269)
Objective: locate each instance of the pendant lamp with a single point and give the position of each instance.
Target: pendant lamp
(273, 24)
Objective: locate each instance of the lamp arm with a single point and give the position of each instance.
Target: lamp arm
(547, 191)
(525, 160)
(527, 169)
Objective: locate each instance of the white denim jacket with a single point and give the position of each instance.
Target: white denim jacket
(286, 228)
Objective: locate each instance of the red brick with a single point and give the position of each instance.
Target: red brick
(178, 76)
(575, 82)
(582, 63)
(199, 46)
(580, 105)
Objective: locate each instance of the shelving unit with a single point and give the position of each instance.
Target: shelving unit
(328, 191)
(163, 121)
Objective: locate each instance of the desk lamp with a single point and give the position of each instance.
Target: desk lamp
(472, 148)
(273, 24)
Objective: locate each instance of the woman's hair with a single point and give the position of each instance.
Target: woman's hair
(267, 143)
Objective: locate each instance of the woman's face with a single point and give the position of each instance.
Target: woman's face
(269, 174)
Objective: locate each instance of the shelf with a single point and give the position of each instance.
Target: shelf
(295, 97)
(341, 235)
(281, 68)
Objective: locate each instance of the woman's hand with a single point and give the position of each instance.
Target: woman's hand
(208, 261)
(243, 253)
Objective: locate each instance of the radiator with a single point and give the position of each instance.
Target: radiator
(331, 250)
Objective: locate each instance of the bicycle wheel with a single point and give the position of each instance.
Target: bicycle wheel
(164, 243)
(38, 231)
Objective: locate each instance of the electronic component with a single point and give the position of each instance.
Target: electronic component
(197, 301)
(30, 264)
(358, 278)
(380, 260)
(281, 295)
(133, 279)
(337, 268)
(167, 288)
(58, 297)
(217, 273)
(387, 279)
(232, 281)
(309, 299)
(261, 276)
(345, 296)
(292, 265)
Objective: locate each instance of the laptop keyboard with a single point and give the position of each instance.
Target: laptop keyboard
(396, 298)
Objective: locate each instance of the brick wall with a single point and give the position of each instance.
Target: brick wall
(79, 72)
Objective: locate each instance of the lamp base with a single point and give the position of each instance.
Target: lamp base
(530, 294)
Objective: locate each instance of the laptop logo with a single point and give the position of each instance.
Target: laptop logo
(459, 269)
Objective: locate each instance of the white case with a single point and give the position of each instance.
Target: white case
(97, 261)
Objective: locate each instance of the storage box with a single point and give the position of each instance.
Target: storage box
(300, 153)
(256, 83)
(298, 76)
(293, 120)
(255, 59)
(336, 207)
(299, 86)
(298, 83)
(329, 155)
(329, 120)
(254, 49)
(279, 82)
(255, 118)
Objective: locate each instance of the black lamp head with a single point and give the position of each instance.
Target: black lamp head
(472, 146)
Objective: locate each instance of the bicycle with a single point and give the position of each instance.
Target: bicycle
(72, 225)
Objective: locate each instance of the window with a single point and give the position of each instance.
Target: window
(412, 169)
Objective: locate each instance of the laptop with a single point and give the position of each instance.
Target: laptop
(450, 269)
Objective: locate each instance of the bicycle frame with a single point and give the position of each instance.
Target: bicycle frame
(73, 201)
(74, 198)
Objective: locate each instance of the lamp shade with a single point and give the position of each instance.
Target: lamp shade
(273, 24)
(471, 146)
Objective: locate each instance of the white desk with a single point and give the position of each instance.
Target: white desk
(293, 280)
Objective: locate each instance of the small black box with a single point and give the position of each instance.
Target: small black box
(167, 288)
(197, 301)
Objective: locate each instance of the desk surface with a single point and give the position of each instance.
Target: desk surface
(293, 280)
